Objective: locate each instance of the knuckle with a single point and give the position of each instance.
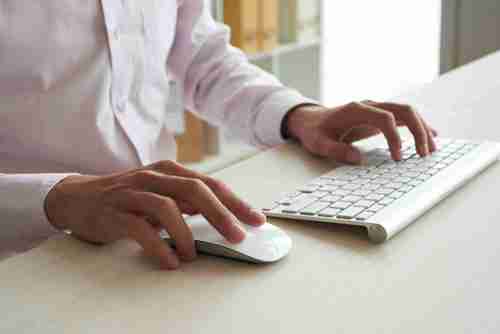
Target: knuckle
(167, 165)
(354, 105)
(168, 204)
(388, 118)
(196, 185)
(144, 176)
(215, 185)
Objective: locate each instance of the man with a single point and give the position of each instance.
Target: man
(83, 90)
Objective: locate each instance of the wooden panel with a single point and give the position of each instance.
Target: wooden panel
(268, 24)
(190, 145)
(241, 16)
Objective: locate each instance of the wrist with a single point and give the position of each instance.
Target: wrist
(299, 119)
(53, 201)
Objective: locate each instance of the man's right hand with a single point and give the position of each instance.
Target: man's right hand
(137, 203)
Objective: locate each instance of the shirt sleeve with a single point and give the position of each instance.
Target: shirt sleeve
(24, 223)
(221, 85)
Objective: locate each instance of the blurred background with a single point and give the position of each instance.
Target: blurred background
(341, 51)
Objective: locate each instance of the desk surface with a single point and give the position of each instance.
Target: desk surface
(440, 275)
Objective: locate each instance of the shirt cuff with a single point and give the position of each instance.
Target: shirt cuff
(22, 206)
(273, 110)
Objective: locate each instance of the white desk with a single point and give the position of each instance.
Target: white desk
(441, 275)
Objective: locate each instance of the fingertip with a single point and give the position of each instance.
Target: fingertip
(258, 217)
(238, 234)
(354, 157)
(172, 263)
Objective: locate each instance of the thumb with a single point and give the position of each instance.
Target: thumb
(341, 152)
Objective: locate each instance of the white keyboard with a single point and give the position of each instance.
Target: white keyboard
(383, 195)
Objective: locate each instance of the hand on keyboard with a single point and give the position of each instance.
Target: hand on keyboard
(330, 132)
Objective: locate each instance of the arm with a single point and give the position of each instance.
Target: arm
(221, 85)
(224, 88)
(23, 219)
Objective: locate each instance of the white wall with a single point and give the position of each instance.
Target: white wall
(378, 49)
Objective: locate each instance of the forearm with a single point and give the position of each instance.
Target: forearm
(224, 88)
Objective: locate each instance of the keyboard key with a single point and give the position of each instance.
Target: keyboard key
(386, 201)
(433, 171)
(424, 177)
(320, 194)
(376, 207)
(314, 208)
(341, 192)
(365, 203)
(341, 205)
(338, 183)
(328, 188)
(308, 189)
(374, 197)
(402, 179)
(396, 194)
(350, 212)
(299, 203)
(361, 192)
(285, 201)
(329, 212)
(380, 181)
(384, 191)
(406, 188)
(351, 187)
(351, 199)
(411, 174)
(331, 198)
(415, 183)
(394, 185)
(371, 187)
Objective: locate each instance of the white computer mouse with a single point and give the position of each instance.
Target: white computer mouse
(263, 244)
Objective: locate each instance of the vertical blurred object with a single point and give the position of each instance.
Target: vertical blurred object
(300, 20)
(242, 17)
(268, 24)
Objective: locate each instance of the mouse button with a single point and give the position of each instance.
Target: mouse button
(258, 248)
(203, 231)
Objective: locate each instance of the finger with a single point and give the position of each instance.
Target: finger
(412, 120)
(145, 235)
(326, 147)
(164, 212)
(430, 135)
(359, 133)
(198, 195)
(236, 205)
(240, 208)
(386, 122)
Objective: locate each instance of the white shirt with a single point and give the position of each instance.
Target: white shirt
(84, 88)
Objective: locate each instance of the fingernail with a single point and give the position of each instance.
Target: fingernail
(398, 156)
(353, 157)
(424, 149)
